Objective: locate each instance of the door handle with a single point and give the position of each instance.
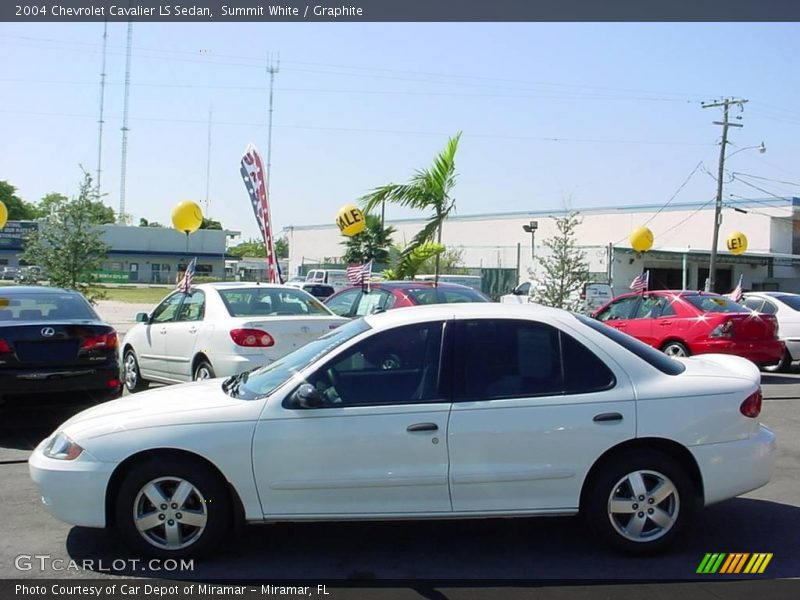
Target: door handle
(665, 323)
(163, 330)
(606, 417)
(423, 427)
(193, 330)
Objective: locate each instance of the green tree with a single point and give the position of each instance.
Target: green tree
(282, 247)
(99, 213)
(410, 263)
(565, 268)
(249, 248)
(428, 190)
(68, 244)
(145, 223)
(210, 224)
(18, 209)
(371, 244)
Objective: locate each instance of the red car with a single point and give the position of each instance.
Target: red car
(683, 323)
(383, 295)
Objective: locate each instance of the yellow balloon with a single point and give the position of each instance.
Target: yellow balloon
(187, 216)
(641, 239)
(737, 242)
(3, 214)
(350, 220)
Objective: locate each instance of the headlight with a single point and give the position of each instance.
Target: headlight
(61, 447)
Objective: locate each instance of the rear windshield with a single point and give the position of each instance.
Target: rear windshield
(266, 302)
(790, 300)
(44, 307)
(718, 304)
(431, 295)
(657, 359)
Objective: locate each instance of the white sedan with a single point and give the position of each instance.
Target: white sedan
(786, 308)
(220, 329)
(469, 410)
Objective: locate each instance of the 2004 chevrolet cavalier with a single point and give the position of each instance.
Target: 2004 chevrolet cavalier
(471, 410)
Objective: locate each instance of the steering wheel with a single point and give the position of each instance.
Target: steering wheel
(390, 361)
(331, 394)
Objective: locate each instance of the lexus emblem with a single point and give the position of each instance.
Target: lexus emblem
(48, 331)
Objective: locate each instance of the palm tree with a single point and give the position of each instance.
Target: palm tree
(371, 244)
(428, 190)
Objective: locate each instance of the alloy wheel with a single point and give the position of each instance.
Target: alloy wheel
(170, 513)
(643, 506)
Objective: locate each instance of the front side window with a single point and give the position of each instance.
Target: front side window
(342, 304)
(168, 309)
(396, 366)
(374, 301)
(619, 310)
(507, 359)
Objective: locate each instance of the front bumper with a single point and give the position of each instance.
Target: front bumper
(730, 469)
(73, 491)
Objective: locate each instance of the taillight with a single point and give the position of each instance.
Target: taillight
(751, 407)
(4, 347)
(252, 338)
(723, 330)
(107, 341)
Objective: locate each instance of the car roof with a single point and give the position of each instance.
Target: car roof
(771, 294)
(10, 290)
(465, 310)
(225, 285)
(404, 285)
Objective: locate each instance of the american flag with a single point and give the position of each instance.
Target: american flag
(185, 284)
(736, 294)
(641, 282)
(359, 274)
(253, 173)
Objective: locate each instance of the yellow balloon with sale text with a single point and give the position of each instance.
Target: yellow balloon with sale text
(350, 220)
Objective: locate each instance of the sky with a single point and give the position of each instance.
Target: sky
(552, 114)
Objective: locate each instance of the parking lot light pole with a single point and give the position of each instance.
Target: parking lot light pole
(531, 228)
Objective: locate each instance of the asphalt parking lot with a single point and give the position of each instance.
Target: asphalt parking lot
(562, 549)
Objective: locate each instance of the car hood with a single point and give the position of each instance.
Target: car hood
(191, 403)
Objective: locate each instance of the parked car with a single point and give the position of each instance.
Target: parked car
(320, 291)
(30, 275)
(786, 308)
(8, 273)
(51, 340)
(357, 301)
(588, 299)
(425, 412)
(220, 329)
(684, 323)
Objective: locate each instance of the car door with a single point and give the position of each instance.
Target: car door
(377, 445)
(533, 407)
(343, 304)
(641, 323)
(182, 334)
(152, 353)
(618, 313)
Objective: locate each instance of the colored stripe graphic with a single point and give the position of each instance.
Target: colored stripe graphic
(733, 563)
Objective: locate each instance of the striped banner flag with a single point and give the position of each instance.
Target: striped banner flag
(641, 282)
(185, 283)
(253, 173)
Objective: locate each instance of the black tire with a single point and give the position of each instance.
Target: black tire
(202, 369)
(208, 499)
(782, 365)
(675, 349)
(613, 478)
(131, 376)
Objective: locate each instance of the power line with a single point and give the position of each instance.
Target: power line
(766, 179)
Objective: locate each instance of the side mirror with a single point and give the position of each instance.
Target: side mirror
(519, 292)
(142, 317)
(307, 396)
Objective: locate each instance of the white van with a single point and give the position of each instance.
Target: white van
(337, 278)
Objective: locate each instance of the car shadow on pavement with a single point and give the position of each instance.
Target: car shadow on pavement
(559, 549)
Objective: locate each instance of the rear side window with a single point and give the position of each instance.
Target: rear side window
(508, 359)
(44, 307)
(653, 357)
(432, 295)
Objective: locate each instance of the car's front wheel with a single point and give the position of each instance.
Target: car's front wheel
(639, 503)
(132, 376)
(172, 508)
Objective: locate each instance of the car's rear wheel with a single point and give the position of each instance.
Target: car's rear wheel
(172, 508)
(675, 349)
(132, 376)
(639, 503)
(202, 371)
(782, 365)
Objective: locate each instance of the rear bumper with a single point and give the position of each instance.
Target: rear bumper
(232, 364)
(793, 346)
(761, 352)
(53, 379)
(730, 469)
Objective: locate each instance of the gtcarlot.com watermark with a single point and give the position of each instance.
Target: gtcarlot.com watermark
(45, 562)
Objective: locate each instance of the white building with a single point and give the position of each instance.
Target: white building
(679, 257)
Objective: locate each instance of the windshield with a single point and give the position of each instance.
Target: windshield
(717, 304)
(266, 302)
(790, 300)
(263, 381)
(40, 306)
(432, 295)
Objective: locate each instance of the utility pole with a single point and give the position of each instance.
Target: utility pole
(100, 121)
(125, 106)
(725, 104)
(272, 69)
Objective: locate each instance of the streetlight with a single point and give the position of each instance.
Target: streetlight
(531, 228)
(712, 265)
